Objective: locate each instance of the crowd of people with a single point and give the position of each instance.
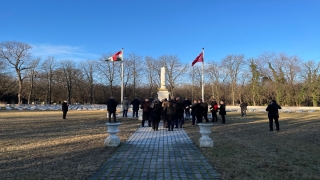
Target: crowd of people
(174, 111)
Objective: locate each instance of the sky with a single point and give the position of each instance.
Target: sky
(82, 29)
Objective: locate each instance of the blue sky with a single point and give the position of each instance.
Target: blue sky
(83, 29)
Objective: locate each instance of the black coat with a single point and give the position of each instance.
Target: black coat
(194, 109)
(199, 109)
(273, 110)
(205, 107)
(170, 111)
(135, 104)
(65, 106)
(111, 105)
(180, 108)
(222, 109)
(156, 112)
(243, 106)
(187, 103)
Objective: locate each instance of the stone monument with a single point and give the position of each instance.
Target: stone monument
(163, 91)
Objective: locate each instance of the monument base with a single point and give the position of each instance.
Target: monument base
(163, 94)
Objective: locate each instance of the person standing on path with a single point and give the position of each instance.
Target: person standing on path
(145, 106)
(222, 111)
(155, 114)
(170, 113)
(180, 113)
(187, 104)
(273, 114)
(125, 107)
(64, 109)
(243, 108)
(165, 104)
(135, 107)
(112, 107)
(194, 111)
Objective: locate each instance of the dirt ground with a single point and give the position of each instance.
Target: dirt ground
(40, 145)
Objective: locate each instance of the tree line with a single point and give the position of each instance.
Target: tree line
(234, 79)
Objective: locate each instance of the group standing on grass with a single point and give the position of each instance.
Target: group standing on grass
(173, 111)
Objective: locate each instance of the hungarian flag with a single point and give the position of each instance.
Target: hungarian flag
(198, 59)
(116, 57)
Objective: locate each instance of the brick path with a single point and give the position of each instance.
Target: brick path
(162, 154)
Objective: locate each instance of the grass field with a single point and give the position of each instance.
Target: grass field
(40, 145)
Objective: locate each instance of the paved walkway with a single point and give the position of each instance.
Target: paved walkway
(162, 154)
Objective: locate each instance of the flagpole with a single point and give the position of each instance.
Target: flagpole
(122, 77)
(192, 83)
(202, 74)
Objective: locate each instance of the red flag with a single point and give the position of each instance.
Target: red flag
(198, 59)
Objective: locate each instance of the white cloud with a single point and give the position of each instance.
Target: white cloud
(61, 52)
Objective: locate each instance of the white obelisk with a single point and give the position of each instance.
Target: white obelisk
(163, 91)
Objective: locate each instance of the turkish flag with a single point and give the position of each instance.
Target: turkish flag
(198, 59)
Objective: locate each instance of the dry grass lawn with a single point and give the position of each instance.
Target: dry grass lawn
(244, 148)
(40, 145)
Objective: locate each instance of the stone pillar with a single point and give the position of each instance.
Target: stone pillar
(205, 130)
(113, 140)
(163, 78)
(163, 92)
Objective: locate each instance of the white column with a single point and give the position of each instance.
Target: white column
(163, 78)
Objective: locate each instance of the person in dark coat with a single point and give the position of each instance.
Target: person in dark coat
(170, 113)
(112, 107)
(180, 112)
(145, 106)
(155, 114)
(205, 110)
(199, 111)
(194, 111)
(214, 109)
(135, 107)
(273, 114)
(125, 107)
(187, 104)
(64, 108)
(243, 108)
(222, 111)
(165, 104)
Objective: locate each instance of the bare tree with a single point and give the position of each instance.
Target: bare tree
(233, 63)
(71, 75)
(32, 75)
(196, 76)
(217, 75)
(17, 55)
(7, 82)
(108, 70)
(88, 68)
(151, 74)
(132, 72)
(48, 67)
(175, 70)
